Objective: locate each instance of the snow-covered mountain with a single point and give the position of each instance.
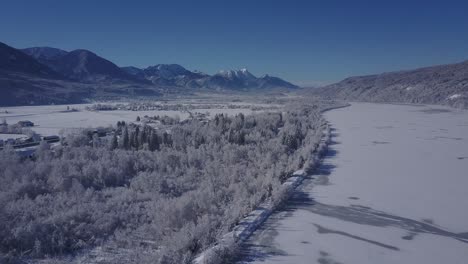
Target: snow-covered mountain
(243, 80)
(166, 71)
(165, 75)
(85, 66)
(44, 75)
(243, 74)
(72, 77)
(230, 79)
(176, 75)
(441, 84)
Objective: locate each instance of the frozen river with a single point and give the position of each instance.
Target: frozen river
(393, 189)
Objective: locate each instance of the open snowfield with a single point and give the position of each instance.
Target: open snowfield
(13, 136)
(50, 119)
(393, 189)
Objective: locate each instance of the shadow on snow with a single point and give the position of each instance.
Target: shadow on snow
(261, 245)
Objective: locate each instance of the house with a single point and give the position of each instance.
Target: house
(100, 132)
(25, 140)
(51, 139)
(25, 123)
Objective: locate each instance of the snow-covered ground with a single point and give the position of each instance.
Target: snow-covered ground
(12, 136)
(393, 189)
(50, 119)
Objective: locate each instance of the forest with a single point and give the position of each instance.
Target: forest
(156, 195)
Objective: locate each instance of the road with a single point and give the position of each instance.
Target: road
(393, 188)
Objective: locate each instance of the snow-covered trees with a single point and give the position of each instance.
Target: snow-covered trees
(125, 141)
(179, 188)
(113, 143)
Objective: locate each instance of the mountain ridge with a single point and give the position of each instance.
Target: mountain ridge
(86, 66)
(13, 60)
(79, 65)
(445, 84)
(177, 75)
(46, 75)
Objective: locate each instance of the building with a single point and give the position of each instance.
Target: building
(51, 139)
(100, 132)
(25, 123)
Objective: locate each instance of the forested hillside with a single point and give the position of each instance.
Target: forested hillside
(441, 84)
(157, 196)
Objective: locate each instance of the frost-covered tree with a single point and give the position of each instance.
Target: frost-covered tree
(169, 192)
(125, 139)
(113, 143)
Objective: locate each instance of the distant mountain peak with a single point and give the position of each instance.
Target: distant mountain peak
(166, 71)
(241, 74)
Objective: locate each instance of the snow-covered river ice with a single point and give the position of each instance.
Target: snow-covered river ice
(393, 188)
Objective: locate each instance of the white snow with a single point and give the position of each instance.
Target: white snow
(396, 193)
(50, 119)
(254, 219)
(12, 136)
(242, 74)
(454, 96)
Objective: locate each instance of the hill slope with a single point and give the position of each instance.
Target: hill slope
(13, 60)
(45, 55)
(24, 80)
(442, 84)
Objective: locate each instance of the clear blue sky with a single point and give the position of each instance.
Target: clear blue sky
(302, 41)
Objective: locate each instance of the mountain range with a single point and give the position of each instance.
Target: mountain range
(79, 65)
(42, 75)
(45, 75)
(441, 84)
(176, 75)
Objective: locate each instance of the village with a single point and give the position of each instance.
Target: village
(25, 141)
(22, 138)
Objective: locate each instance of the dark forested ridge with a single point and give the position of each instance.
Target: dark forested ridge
(443, 84)
(158, 196)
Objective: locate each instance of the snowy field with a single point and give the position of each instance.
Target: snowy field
(393, 189)
(50, 119)
(13, 136)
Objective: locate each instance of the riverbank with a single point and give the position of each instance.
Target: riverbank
(391, 190)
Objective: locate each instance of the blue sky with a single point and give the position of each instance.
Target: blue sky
(303, 41)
